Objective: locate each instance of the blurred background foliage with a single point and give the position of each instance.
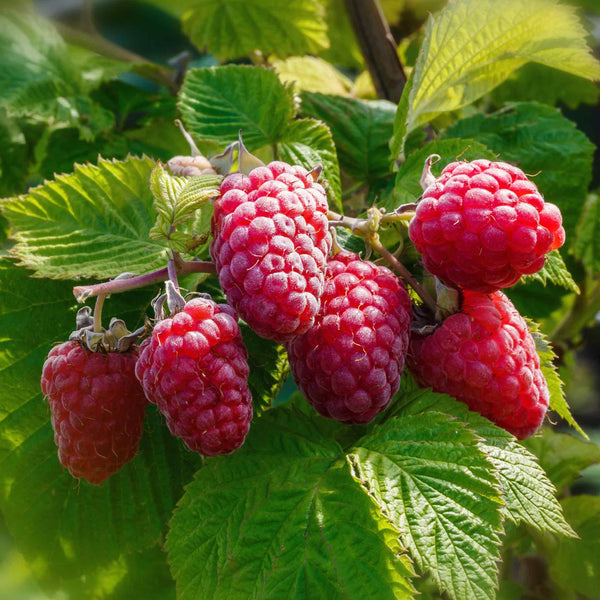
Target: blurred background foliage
(145, 44)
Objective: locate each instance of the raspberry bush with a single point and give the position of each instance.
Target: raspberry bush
(347, 283)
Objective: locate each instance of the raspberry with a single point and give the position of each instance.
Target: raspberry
(483, 224)
(97, 408)
(270, 243)
(194, 369)
(485, 357)
(348, 364)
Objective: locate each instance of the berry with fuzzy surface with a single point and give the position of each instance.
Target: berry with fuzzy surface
(349, 363)
(483, 224)
(194, 369)
(485, 357)
(97, 408)
(270, 243)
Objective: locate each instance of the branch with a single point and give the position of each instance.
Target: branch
(117, 286)
(378, 48)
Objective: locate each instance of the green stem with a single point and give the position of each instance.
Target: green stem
(98, 313)
(403, 272)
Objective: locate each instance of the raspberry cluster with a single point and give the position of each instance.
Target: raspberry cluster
(481, 226)
(345, 321)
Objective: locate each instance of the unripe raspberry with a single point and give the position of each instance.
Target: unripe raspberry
(349, 363)
(483, 224)
(485, 357)
(194, 369)
(97, 408)
(270, 243)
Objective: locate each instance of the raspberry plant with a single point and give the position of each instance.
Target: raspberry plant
(347, 279)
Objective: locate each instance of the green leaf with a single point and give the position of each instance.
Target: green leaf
(361, 131)
(312, 74)
(471, 46)
(400, 132)
(308, 143)
(217, 102)
(269, 368)
(13, 157)
(558, 401)
(563, 456)
(541, 141)
(554, 271)
(67, 528)
(282, 517)
(587, 235)
(236, 28)
(93, 223)
(407, 187)
(434, 484)
(176, 199)
(528, 493)
(343, 49)
(574, 563)
(43, 78)
(538, 83)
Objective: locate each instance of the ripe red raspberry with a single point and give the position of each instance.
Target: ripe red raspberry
(349, 363)
(97, 408)
(194, 369)
(270, 245)
(483, 224)
(485, 357)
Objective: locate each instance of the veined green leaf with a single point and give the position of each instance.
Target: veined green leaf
(283, 518)
(361, 131)
(431, 480)
(528, 493)
(92, 223)
(543, 143)
(176, 200)
(471, 46)
(235, 28)
(587, 235)
(308, 143)
(554, 271)
(67, 528)
(343, 49)
(558, 401)
(217, 102)
(312, 74)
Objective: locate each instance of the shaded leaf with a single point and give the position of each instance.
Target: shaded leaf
(222, 27)
(554, 271)
(587, 235)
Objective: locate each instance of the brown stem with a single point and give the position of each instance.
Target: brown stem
(117, 286)
(378, 47)
(403, 272)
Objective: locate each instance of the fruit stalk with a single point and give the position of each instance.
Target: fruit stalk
(117, 286)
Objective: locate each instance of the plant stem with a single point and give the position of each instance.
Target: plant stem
(125, 285)
(378, 48)
(403, 272)
(98, 313)
(172, 271)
